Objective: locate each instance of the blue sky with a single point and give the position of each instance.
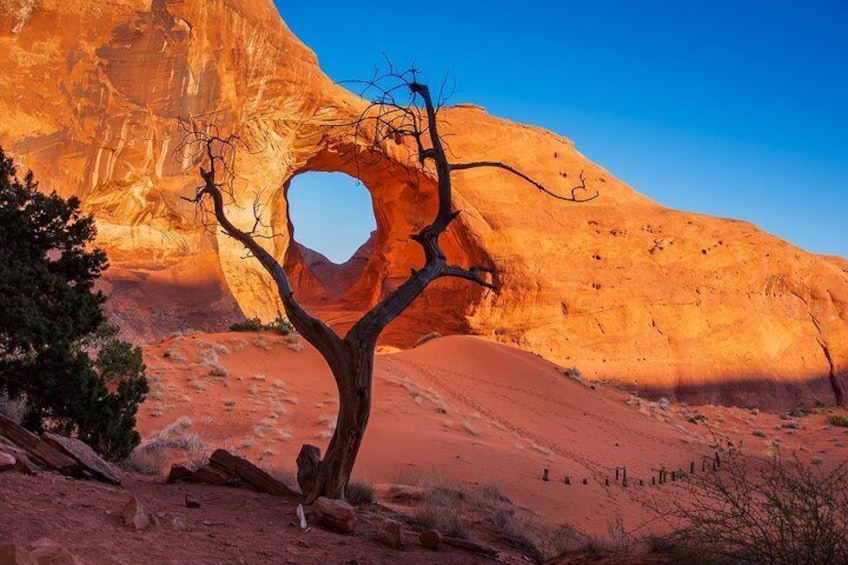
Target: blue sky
(734, 109)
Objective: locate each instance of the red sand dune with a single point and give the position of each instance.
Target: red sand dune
(457, 407)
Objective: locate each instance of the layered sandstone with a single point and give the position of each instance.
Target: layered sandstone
(91, 99)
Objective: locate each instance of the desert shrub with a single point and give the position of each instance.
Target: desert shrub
(431, 515)
(838, 420)
(174, 441)
(573, 373)
(515, 530)
(359, 492)
(280, 325)
(248, 325)
(425, 338)
(774, 512)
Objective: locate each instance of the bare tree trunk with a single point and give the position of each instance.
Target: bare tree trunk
(353, 380)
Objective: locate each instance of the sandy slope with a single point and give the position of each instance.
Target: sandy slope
(459, 407)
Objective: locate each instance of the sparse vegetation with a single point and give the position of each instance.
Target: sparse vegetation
(359, 492)
(445, 505)
(838, 420)
(425, 338)
(218, 372)
(174, 355)
(573, 373)
(754, 511)
(279, 325)
(173, 442)
(433, 515)
(538, 540)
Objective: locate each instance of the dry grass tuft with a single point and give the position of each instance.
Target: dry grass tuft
(174, 355)
(432, 515)
(359, 492)
(174, 441)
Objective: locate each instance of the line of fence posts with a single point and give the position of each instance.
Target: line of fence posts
(661, 476)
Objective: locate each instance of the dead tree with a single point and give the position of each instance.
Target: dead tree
(351, 358)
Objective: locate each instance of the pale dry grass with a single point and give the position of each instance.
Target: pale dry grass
(174, 441)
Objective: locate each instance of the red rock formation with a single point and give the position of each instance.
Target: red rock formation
(621, 287)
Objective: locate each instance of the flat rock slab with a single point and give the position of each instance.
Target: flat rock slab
(249, 473)
(212, 476)
(82, 453)
(40, 450)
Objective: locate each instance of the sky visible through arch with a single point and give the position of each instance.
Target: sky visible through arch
(332, 213)
(730, 108)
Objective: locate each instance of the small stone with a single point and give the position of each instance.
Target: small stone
(83, 454)
(390, 533)
(134, 515)
(178, 523)
(431, 539)
(191, 502)
(335, 514)
(7, 461)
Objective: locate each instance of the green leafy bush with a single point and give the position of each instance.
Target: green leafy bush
(52, 322)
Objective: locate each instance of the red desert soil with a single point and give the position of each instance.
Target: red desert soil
(462, 408)
(231, 526)
(458, 409)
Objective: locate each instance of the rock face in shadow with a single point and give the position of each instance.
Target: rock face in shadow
(621, 287)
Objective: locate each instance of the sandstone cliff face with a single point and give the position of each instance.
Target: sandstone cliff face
(621, 287)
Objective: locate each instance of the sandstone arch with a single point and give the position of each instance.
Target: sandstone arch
(666, 308)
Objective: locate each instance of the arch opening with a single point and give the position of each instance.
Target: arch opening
(403, 201)
(330, 213)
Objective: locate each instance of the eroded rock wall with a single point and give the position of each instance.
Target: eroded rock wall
(91, 99)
